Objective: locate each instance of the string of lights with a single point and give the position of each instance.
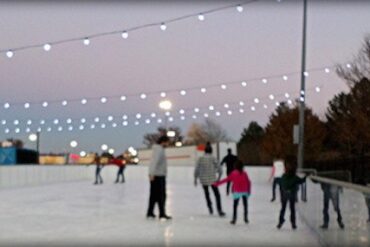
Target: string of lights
(70, 124)
(124, 32)
(164, 93)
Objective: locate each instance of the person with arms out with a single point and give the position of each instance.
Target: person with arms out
(289, 187)
(206, 171)
(229, 160)
(157, 177)
(241, 188)
(121, 163)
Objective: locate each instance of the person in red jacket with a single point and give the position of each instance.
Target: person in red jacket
(241, 188)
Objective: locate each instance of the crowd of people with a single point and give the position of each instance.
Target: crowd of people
(208, 171)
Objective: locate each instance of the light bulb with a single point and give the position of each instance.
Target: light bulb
(223, 86)
(69, 121)
(327, 70)
(114, 125)
(241, 110)
(163, 94)
(256, 100)
(239, 8)
(163, 27)
(229, 112)
(123, 98)
(83, 101)
(264, 80)
(196, 109)
(47, 47)
(211, 107)
(226, 105)
(253, 108)
(64, 103)
(306, 74)
(318, 89)
(203, 90)
(124, 123)
(86, 41)
(10, 54)
(287, 95)
(103, 100)
(6, 105)
(110, 118)
(45, 104)
(183, 92)
(83, 120)
(272, 97)
(27, 105)
(124, 34)
(138, 116)
(201, 17)
(285, 78)
(143, 96)
(241, 103)
(153, 115)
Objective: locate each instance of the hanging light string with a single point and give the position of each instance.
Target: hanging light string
(164, 93)
(125, 32)
(110, 121)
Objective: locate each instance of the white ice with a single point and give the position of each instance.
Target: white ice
(79, 213)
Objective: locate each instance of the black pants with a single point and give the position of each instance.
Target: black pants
(120, 174)
(367, 200)
(275, 183)
(245, 203)
(98, 177)
(334, 197)
(228, 185)
(157, 195)
(208, 199)
(304, 192)
(288, 196)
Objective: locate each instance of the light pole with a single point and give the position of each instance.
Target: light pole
(36, 138)
(303, 91)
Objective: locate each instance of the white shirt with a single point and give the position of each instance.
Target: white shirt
(279, 168)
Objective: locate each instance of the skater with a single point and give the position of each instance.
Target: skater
(206, 170)
(241, 188)
(157, 178)
(99, 167)
(331, 193)
(229, 160)
(121, 168)
(367, 198)
(289, 186)
(276, 173)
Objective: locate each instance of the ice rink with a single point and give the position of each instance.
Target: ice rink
(80, 213)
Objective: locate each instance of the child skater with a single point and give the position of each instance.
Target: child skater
(241, 188)
(289, 187)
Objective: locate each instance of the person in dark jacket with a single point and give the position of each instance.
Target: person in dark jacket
(229, 160)
(289, 187)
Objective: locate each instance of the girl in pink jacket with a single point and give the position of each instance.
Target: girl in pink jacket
(241, 188)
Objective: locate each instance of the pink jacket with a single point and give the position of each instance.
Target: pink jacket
(241, 182)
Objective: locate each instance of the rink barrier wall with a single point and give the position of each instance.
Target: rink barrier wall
(33, 175)
(37, 175)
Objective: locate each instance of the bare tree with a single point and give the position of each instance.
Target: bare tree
(210, 131)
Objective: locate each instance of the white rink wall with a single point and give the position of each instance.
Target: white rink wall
(187, 155)
(35, 175)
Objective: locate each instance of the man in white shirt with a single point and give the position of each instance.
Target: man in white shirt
(277, 172)
(157, 177)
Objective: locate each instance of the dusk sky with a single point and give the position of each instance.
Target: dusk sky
(262, 41)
